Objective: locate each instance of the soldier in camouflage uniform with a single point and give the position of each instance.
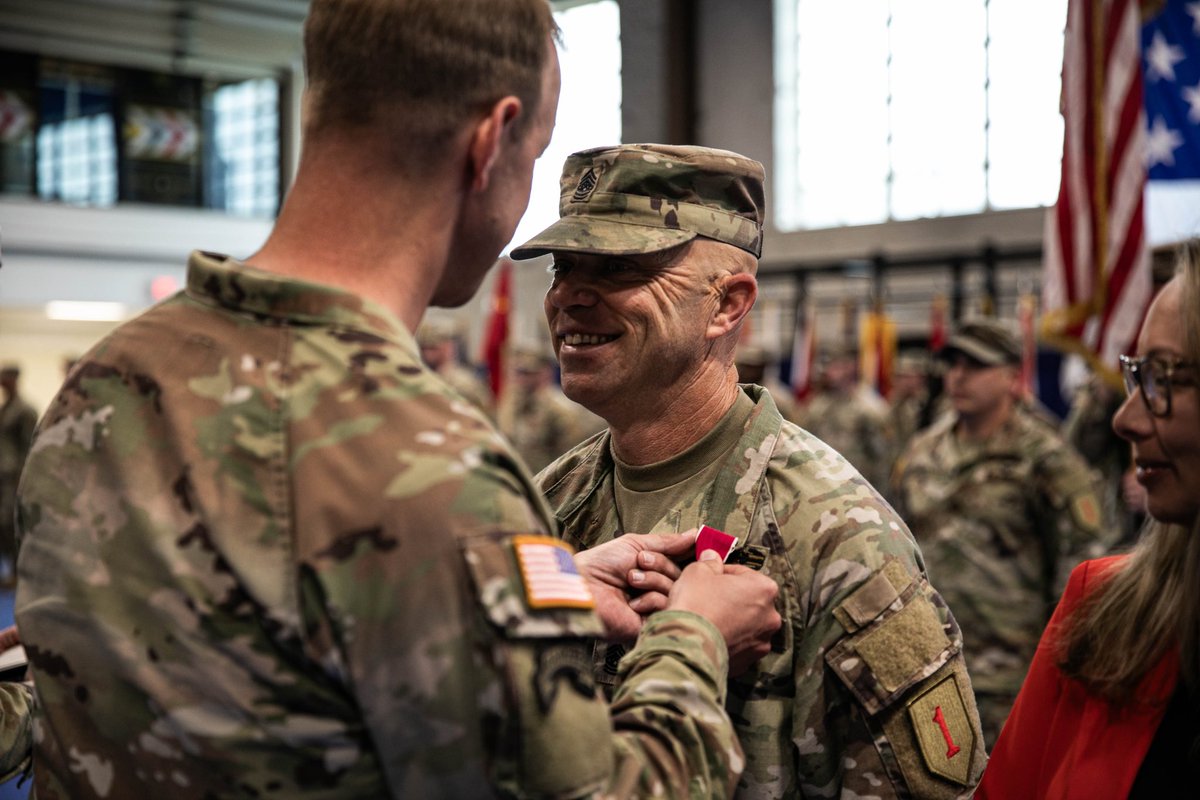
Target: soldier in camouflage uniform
(17, 420)
(536, 417)
(267, 553)
(1003, 508)
(864, 692)
(849, 417)
(439, 341)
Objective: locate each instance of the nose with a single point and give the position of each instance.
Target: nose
(1133, 422)
(570, 289)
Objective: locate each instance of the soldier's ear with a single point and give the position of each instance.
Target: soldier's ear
(486, 138)
(736, 294)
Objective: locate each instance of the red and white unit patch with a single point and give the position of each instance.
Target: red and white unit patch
(549, 574)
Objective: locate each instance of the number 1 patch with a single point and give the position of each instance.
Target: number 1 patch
(944, 731)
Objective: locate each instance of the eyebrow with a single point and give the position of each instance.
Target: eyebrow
(1162, 352)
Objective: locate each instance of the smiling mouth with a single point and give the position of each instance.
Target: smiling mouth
(1149, 468)
(577, 339)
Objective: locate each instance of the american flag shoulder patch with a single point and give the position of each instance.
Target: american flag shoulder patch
(549, 574)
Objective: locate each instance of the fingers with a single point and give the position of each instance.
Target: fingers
(641, 581)
(648, 603)
(712, 560)
(658, 562)
(672, 545)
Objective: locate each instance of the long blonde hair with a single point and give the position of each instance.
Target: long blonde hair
(1153, 601)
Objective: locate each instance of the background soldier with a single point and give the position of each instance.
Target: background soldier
(265, 552)
(755, 365)
(17, 421)
(849, 417)
(440, 341)
(1003, 508)
(865, 684)
(537, 417)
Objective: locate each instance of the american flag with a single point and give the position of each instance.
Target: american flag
(550, 576)
(804, 348)
(1097, 268)
(1171, 56)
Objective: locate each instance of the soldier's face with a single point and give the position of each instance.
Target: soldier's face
(624, 327)
(978, 389)
(1166, 450)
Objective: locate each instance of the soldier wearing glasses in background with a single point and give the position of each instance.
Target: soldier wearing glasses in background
(1109, 709)
(1002, 507)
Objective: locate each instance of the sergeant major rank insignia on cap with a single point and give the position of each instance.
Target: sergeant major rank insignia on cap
(587, 185)
(549, 575)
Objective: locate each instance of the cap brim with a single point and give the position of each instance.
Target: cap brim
(972, 349)
(577, 234)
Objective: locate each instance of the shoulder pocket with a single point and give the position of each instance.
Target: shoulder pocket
(528, 586)
(896, 638)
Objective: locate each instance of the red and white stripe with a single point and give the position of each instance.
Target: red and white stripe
(804, 347)
(551, 579)
(1097, 268)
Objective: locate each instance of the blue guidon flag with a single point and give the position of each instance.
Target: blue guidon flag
(1171, 82)
(549, 573)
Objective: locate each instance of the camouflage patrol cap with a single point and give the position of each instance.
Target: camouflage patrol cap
(643, 198)
(988, 341)
(435, 330)
(531, 360)
(752, 356)
(909, 363)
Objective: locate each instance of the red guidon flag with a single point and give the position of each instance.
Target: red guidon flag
(495, 337)
(937, 323)
(1096, 279)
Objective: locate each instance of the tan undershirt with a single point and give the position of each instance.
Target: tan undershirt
(647, 494)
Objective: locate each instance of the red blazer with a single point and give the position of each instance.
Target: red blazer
(1061, 743)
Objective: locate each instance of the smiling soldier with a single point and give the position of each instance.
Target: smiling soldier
(865, 692)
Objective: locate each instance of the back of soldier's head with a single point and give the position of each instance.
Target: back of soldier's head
(419, 69)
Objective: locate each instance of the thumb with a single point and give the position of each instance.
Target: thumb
(712, 560)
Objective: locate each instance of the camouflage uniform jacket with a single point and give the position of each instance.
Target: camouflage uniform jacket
(1001, 524)
(844, 704)
(266, 553)
(17, 421)
(543, 424)
(854, 425)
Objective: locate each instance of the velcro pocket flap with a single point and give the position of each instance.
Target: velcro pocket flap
(905, 644)
(875, 596)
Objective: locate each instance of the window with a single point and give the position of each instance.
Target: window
(93, 135)
(897, 109)
(243, 173)
(76, 141)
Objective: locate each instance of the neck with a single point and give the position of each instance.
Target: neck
(674, 422)
(977, 427)
(350, 223)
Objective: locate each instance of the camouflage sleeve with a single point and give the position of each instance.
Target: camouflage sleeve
(16, 729)
(910, 728)
(669, 735)
(1073, 514)
(673, 682)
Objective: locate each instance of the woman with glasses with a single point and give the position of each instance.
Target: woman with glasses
(1109, 707)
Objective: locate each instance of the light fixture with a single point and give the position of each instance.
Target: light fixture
(85, 310)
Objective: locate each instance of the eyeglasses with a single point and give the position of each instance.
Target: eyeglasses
(1154, 375)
